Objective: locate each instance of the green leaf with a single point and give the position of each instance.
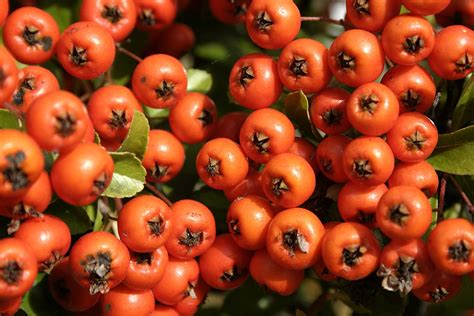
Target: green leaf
(128, 178)
(296, 106)
(454, 152)
(8, 120)
(61, 11)
(199, 81)
(137, 137)
(75, 217)
(463, 112)
(38, 300)
(211, 51)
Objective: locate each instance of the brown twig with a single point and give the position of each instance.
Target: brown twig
(442, 192)
(129, 53)
(323, 19)
(158, 193)
(108, 78)
(85, 97)
(462, 193)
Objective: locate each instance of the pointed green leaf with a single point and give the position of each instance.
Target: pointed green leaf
(199, 81)
(137, 138)
(463, 112)
(454, 152)
(128, 178)
(8, 120)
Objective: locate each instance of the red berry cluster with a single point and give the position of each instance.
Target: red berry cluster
(164, 257)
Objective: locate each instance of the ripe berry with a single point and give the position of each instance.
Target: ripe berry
(328, 111)
(371, 15)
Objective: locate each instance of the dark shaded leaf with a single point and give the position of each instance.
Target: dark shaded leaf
(75, 217)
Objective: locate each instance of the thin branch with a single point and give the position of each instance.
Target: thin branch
(87, 86)
(442, 193)
(158, 193)
(85, 97)
(462, 193)
(323, 19)
(108, 78)
(128, 53)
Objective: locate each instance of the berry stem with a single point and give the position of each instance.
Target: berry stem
(462, 193)
(128, 53)
(85, 97)
(322, 19)
(441, 194)
(158, 193)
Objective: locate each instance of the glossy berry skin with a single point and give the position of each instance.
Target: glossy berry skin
(164, 156)
(440, 288)
(18, 268)
(372, 109)
(111, 110)
(49, 238)
(159, 81)
(408, 39)
(403, 212)
(450, 246)
(254, 82)
(180, 279)
(117, 17)
(99, 261)
(57, 121)
(272, 276)
(175, 40)
(248, 219)
(272, 24)
(193, 230)
(31, 35)
(221, 164)
(86, 50)
(21, 163)
(266, 133)
(368, 160)
(164, 310)
(329, 157)
(453, 52)
(328, 111)
(228, 126)
(155, 15)
(288, 180)
(294, 238)
(144, 223)
(356, 57)
(32, 203)
(80, 176)
(10, 307)
(358, 203)
(224, 265)
(189, 305)
(413, 137)
(146, 269)
(33, 82)
(251, 185)
(9, 80)
(427, 7)
(413, 86)
(371, 15)
(351, 251)
(229, 12)
(306, 150)
(193, 118)
(123, 301)
(405, 265)
(67, 292)
(418, 174)
(303, 65)
(4, 7)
